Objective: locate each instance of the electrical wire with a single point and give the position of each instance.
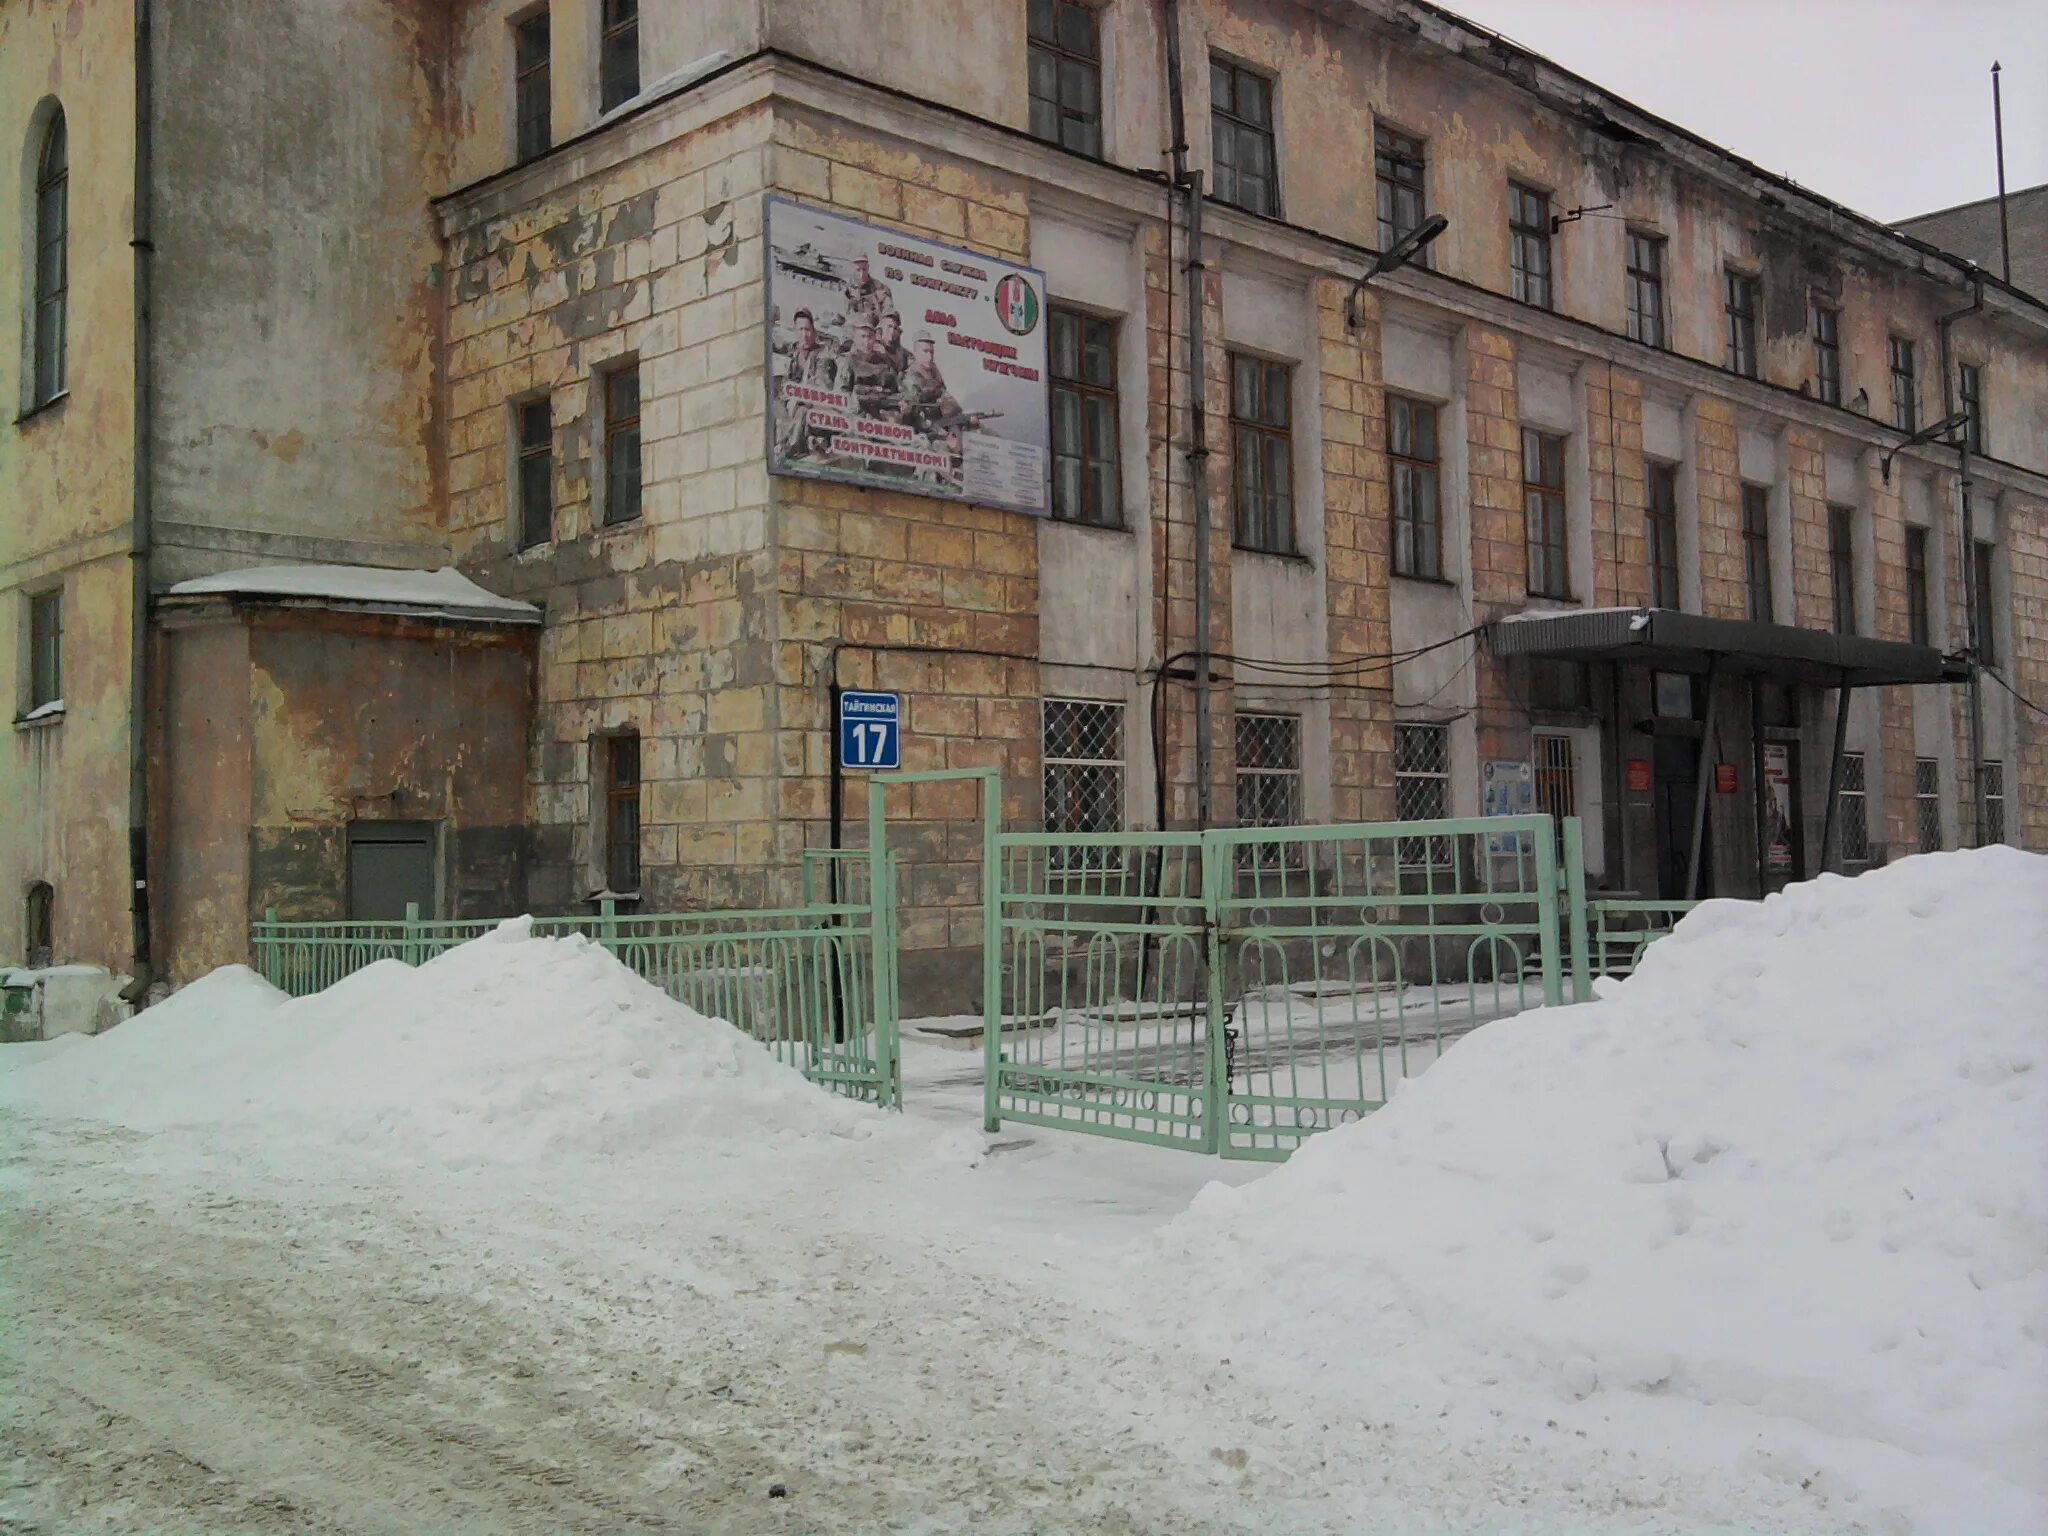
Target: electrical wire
(1998, 678)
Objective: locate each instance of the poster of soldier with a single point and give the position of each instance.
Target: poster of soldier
(901, 363)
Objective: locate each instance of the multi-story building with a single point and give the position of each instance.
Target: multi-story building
(537, 290)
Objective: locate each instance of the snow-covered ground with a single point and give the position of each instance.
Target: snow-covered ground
(514, 1243)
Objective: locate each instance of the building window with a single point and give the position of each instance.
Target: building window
(1905, 406)
(1543, 510)
(536, 473)
(1269, 786)
(1084, 778)
(1756, 550)
(45, 650)
(39, 929)
(618, 53)
(1842, 567)
(1422, 790)
(1972, 378)
(1918, 627)
(622, 444)
(1827, 354)
(1241, 138)
(530, 87)
(1412, 465)
(1927, 802)
(1066, 75)
(1529, 245)
(1646, 288)
(1994, 802)
(1557, 781)
(1085, 463)
(1398, 169)
(53, 261)
(1559, 685)
(622, 814)
(1661, 534)
(1738, 299)
(1982, 553)
(1853, 810)
(1262, 449)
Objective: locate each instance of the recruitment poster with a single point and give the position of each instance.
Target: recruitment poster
(904, 364)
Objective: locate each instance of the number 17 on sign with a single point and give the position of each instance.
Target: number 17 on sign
(870, 730)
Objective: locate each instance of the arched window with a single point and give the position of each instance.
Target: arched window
(53, 260)
(39, 935)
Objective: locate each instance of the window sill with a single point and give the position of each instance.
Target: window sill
(1427, 581)
(1074, 522)
(42, 408)
(40, 718)
(1292, 557)
(1560, 598)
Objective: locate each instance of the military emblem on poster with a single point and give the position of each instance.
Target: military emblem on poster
(904, 364)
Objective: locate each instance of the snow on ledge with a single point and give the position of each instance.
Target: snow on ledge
(445, 591)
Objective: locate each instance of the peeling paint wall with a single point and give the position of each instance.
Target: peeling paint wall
(65, 502)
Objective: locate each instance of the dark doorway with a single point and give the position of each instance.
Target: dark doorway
(1676, 759)
(390, 863)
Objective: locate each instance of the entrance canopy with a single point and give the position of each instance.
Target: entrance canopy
(1689, 642)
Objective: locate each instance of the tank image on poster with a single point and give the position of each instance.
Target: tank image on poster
(904, 364)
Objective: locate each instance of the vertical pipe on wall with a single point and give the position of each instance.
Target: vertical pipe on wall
(142, 243)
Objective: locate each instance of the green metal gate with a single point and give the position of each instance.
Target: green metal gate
(1237, 990)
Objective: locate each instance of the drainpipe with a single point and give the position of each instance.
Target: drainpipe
(143, 245)
(1967, 550)
(1190, 184)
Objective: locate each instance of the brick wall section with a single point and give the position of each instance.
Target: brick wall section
(1889, 620)
(1621, 553)
(1805, 473)
(2027, 794)
(1717, 472)
(1500, 552)
(1357, 554)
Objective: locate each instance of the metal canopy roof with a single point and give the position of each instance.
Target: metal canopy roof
(1689, 642)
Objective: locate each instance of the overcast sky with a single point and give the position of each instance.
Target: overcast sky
(1884, 105)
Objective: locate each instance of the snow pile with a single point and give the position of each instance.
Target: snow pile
(1777, 1205)
(508, 1049)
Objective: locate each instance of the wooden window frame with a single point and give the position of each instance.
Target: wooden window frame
(532, 84)
(620, 426)
(534, 444)
(1534, 284)
(1741, 296)
(1905, 382)
(1826, 326)
(1660, 533)
(1984, 580)
(1400, 173)
(1756, 553)
(1545, 514)
(1970, 390)
(1919, 586)
(45, 648)
(622, 784)
(1415, 488)
(1842, 567)
(1073, 126)
(1088, 456)
(1229, 129)
(1644, 288)
(618, 53)
(50, 278)
(1262, 520)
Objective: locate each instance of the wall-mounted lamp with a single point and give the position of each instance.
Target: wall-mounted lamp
(1399, 254)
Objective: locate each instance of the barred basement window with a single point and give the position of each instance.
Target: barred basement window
(1927, 802)
(1084, 778)
(1738, 291)
(1241, 138)
(1529, 244)
(622, 814)
(1661, 530)
(1269, 786)
(622, 444)
(1422, 790)
(1827, 354)
(531, 56)
(1918, 625)
(1398, 171)
(1646, 288)
(1262, 451)
(1994, 802)
(1853, 811)
(536, 473)
(1085, 462)
(1412, 466)
(1543, 511)
(1557, 779)
(1905, 388)
(1756, 550)
(618, 51)
(1066, 75)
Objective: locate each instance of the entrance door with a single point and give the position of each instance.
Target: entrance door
(390, 863)
(1677, 764)
(1780, 820)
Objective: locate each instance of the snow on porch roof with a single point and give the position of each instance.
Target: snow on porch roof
(445, 593)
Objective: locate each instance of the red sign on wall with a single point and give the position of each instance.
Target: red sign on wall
(1639, 775)
(1724, 778)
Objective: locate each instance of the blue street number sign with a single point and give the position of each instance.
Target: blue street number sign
(870, 730)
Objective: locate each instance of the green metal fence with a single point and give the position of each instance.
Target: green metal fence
(1621, 929)
(1237, 990)
(813, 983)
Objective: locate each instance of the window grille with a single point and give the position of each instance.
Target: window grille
(1557, 781)
(1066, 75)
(1853, 810)
(1269, 785)
(1084, 778)
(1422, 790)
(1927, 802)
(1994, 802)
